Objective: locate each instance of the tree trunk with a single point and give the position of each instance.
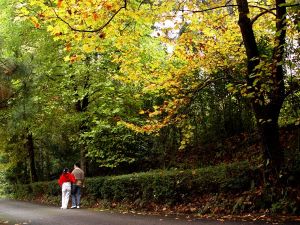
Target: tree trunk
(83, 164)
(267, 120)
(30, 149)
(81, 106)
(266, 111)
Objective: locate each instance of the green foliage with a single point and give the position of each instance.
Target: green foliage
(218, 114)
(235, 188)
(285, 206)
(291, 110)
(94, 185)
(72, 108)
(160, 186)
(35, 190)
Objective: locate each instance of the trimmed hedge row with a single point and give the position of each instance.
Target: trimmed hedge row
(169, 187)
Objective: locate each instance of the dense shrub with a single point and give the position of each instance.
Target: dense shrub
(35, 190)
(228, 187)
(161, 186)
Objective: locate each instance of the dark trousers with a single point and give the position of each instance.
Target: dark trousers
(76, 194)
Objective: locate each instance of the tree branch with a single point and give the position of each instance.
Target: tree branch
(95, 30)
(227, 5)
(193, 11)
(261, 14)
(232, 5)
(270, 11)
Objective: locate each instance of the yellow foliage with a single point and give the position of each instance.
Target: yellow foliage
(165, 48)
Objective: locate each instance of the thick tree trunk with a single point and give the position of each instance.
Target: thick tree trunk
(250, 44)
(267, 120)
(273, 151)
(266, 111)
(30, 149)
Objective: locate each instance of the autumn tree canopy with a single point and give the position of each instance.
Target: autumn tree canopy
(146, 65)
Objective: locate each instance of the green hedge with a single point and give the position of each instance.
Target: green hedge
(35, 190)
(169, 187)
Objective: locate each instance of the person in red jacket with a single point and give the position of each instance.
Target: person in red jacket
(65, 182)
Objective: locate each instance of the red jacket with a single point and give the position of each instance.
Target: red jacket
(66, 177)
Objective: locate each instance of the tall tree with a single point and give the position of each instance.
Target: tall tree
(266, 107)
(173, 48)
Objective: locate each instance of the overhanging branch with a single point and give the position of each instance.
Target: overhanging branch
(192, 11)
(225, 6)
(236, 5)
(94, 30)
(270, 11)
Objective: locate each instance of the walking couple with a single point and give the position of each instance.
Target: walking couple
(71, 183)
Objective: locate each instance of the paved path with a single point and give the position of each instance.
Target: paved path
(17, 212)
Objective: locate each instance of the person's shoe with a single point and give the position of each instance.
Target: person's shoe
(78, 207)
(73, 207)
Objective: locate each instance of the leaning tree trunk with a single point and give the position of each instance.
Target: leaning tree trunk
(266, 112)
(30, 150)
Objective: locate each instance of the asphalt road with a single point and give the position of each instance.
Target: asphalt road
(18, 212)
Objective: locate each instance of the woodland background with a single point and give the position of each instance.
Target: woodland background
(191, 89)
